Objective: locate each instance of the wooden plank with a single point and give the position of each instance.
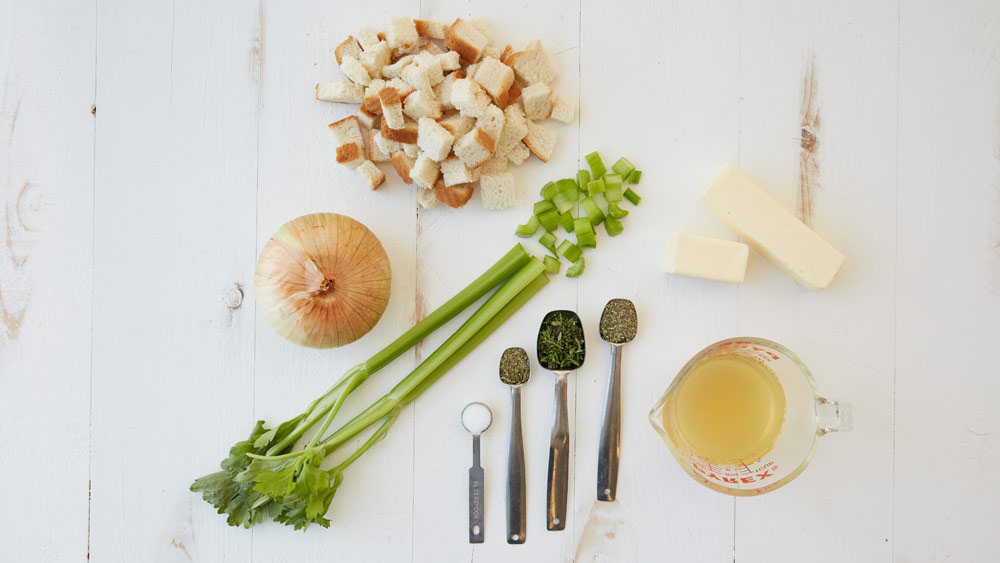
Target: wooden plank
(947, 503)
(176, 183)
(676, 96)
(46, 268)
(818, 120)
(372, 511)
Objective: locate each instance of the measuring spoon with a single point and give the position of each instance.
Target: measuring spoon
(515, 369)
(618, 326)
(476, 418)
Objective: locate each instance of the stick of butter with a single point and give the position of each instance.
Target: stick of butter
(770, 229)
(705, 257)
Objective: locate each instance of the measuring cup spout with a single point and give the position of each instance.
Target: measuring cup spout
(834, 416)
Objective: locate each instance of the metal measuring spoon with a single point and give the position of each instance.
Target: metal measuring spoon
(515, 369)
(558, 472)
(618, 326)
(476, 418)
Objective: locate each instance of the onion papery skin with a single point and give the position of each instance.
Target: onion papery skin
(322, 280)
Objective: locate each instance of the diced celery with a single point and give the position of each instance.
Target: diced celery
(595, 187)
(623, 167)
(528, 229)
(612, 226)
(570, 251)
(613, 194)
(576, 269)
(615, 211)
(549, 220)
(594, 212)
(632, 196)
(596, 165)
(612, 180)
(552, 264)
(564, 202)
(582, 178)
(634, 176)
(583, 225)
(543, 206)
(548, 190)
(548, 240)
(566, 220)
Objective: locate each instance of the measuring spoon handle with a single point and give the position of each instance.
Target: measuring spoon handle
(558, 474)
(476, 492)
(610, 446)
(516, 517)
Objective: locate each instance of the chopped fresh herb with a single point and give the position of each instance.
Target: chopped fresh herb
(561, 345)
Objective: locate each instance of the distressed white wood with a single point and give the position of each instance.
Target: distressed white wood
(46, 258)
(208, 139)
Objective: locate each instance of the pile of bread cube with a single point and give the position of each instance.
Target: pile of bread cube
(445, 108)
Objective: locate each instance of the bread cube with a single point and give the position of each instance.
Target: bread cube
(371, 174)
(491, 121)
(403, 164)
(537, 101)
(422, 104)
(411, 149)
(449, 61)
(347, 131)
(371, 102)
(407, 134)
(494, 76)
(342, 92)
(563, 110)
(519, 154)
(401, 33)
(466, 39)
(433, 139)
(401, 87)
(515, 127)
(367, 118)
(375, 152)
(353, 69)
(457, 124)
(348, 48)
(392, 108)
(442, 90)
(510, 96)
(532, 65)
(426, 198)
(454, 172)
(468, 97)
(430, 28)
(431, 66)
(494, 165)
(474, 148)
(425, 172)
(540, 140)
(453, 196)
(395, 70)
(387, 146)
(497, 190)
(375, 58)
(416, 76)
(367, 37)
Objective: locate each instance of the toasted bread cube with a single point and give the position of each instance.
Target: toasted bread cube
(353, 69)
(468, 97)
(540, 140)
(519, 154)
(491, 121)
(454, 172)
(494, 165)
(392, 107)
(433, 48)
(342, 92)
(387, 146)
(457, 124)
(375, 58)
(401, 87)
(433, 139)
(367, 118)
(430, 28)
(563, 110)
(347, 131)
(515, 127)
(416, 77)
(466, 39)
(403, 164)
(422, 104)
(480, 24)
(348, 48)
(430, 65)
(505, 55)
(367, 37)
(407, 134)
(537, 101)
(510, 96)
(371, 174)
(350, 155)
(395, 70)
(401, 33)
(474, 148)
(442, 91)
(449, 61)
(532, 65)
(453, 196)
(426, 198)
(411, 149)
(497, 190)
(371, 103)
(425, 171)
(470, 70)
(494, 76)
(375, 152)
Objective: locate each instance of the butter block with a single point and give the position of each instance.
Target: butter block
(770, 229)
(705, 257)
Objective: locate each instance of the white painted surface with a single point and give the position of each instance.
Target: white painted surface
(123, 373)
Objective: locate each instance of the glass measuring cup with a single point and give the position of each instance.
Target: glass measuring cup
(807, 417)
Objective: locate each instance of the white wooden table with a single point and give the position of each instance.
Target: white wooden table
(149, 149)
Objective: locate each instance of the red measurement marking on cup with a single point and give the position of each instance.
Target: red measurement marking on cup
(734, 475)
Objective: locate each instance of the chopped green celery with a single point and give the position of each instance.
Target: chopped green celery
(623, 167)
(612, 180)
(596, 165)
(595, 187)
(594, 212)
(576, 269)
(570, 251)
(613, 194)
(615, 211)
(613, 226)
(564, 202)
(548, 240)
(632, 196)
(583, 226)
(552, 264)
(548, 190)
(634, 176)
(549, 220)
(582, 178)
(568, 187)
(528, 229)
(543, 206)
(566, 220)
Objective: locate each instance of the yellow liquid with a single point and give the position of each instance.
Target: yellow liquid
(729, 410)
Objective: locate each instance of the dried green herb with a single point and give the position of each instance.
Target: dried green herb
(618, 322)
(514, 366)
(561, 345)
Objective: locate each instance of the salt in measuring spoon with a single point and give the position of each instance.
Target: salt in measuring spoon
(476, 418)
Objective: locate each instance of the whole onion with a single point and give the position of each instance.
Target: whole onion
(322, 280)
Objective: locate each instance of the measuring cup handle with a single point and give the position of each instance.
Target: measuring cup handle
(834, 416)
